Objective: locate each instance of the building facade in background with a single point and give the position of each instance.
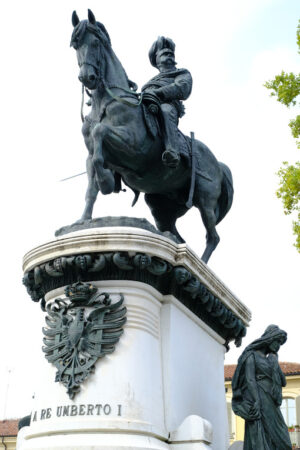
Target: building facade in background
(8, 434)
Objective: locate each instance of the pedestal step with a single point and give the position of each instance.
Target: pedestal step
(194, 433)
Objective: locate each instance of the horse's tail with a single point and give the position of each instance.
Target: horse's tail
(226, 197)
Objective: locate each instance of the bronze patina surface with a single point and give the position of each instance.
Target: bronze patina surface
(133, 138)
(257, 393)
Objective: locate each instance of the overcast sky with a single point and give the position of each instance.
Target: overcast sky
(231, 48)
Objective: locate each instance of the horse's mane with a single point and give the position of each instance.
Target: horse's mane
(98, 30)
(101, 33)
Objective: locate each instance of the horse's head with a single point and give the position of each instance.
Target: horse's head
(88, 39)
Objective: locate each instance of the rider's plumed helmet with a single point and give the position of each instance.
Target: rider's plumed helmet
(162, 43)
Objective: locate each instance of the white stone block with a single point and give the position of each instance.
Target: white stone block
(194, 433)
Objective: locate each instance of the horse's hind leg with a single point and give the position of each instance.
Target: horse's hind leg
(207, 210)
(165, 212)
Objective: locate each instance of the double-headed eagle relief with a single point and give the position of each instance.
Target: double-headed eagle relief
(133, 138)
(81, 328)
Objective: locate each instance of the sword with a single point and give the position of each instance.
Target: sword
(189, 203)
(73, 176)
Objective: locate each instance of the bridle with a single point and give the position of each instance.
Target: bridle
(108, 88)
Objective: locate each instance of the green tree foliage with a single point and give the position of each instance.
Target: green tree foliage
(289, 192)
(286, 87)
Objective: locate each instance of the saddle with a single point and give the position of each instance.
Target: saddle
(153, 121)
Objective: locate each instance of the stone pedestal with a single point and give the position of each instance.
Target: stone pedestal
(163, 385)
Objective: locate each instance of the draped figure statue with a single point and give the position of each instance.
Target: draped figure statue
(257, 393)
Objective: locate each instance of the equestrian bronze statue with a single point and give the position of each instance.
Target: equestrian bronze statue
(134, 138)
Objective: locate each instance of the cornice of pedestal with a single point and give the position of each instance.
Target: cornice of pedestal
(140, 255)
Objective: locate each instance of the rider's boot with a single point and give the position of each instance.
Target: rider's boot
(170, 156)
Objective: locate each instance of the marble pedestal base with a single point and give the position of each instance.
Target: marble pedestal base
(163, 386)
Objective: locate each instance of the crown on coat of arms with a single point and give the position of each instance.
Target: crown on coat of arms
(80, 292)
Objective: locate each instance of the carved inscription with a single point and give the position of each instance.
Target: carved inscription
(98, 409)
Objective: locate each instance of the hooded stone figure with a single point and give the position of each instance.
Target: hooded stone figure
(170, 86)
(257, 393)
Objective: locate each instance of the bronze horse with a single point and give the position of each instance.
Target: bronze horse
(124, 143)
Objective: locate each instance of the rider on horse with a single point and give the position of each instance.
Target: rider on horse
(123, 139)
(170, 86)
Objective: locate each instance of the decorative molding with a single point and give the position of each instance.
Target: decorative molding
(136, 240)
(142, 318)
(75, 338)
(135, 266)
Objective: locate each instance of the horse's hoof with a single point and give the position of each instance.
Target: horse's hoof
(107, 183)
(106, 190)
(170, 158)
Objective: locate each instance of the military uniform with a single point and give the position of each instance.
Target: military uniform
(171, 87)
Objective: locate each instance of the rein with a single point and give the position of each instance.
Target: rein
(139, 97)
(82, 104)
(117, 98)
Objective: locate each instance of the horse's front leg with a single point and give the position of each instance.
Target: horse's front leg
(104, 177)
(92, 190)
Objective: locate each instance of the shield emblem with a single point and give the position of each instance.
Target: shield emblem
(82, 328)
